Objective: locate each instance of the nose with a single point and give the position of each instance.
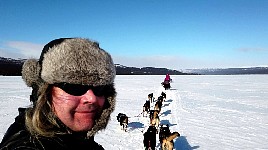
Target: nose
(89, 97)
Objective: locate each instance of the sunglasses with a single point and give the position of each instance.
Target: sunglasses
(78, 89)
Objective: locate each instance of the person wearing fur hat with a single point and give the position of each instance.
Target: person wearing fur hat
(73, 95)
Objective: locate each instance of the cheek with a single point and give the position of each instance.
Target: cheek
(64, 99)
(101, 101)
(63, 103)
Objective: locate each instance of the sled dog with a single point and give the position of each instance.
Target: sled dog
(146, 107)
(149, 140)
(154, 119)
(167, 142)
(151, 97)
(123, 120)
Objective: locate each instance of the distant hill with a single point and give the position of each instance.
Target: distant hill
(124, 70)
(229, 71)
(12, 67)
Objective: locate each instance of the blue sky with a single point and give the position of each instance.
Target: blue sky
(175, 34)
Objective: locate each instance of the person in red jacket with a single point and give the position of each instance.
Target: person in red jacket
(167, 78)
(166, 83)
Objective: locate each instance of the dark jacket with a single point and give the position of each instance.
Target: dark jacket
(17, 137)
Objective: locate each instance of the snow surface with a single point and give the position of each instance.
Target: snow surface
(210, 112)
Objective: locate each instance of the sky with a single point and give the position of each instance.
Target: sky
(210, 112)
(174, 34)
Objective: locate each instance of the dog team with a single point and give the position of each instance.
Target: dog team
(165, 135)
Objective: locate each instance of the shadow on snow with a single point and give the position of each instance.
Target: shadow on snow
(182, 144)
(135, 125)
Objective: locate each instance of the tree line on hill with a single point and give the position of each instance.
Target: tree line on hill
(12, 67)
(124, 70)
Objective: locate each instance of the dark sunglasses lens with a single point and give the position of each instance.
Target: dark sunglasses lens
(99, 90)
(106, 90)
(73, 89)
(78, 90)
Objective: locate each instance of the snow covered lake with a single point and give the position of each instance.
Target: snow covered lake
(222, 112)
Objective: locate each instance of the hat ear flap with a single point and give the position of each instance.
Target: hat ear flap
(31, 72)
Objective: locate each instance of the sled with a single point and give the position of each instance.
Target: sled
(166, 85)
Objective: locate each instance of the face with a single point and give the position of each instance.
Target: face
(76, 112)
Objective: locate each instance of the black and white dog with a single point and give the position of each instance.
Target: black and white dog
(149, 140)
(123, 120)
(151, 97)
(146, 107)
(164, 95)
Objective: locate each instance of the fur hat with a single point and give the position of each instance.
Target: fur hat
(70, 60)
